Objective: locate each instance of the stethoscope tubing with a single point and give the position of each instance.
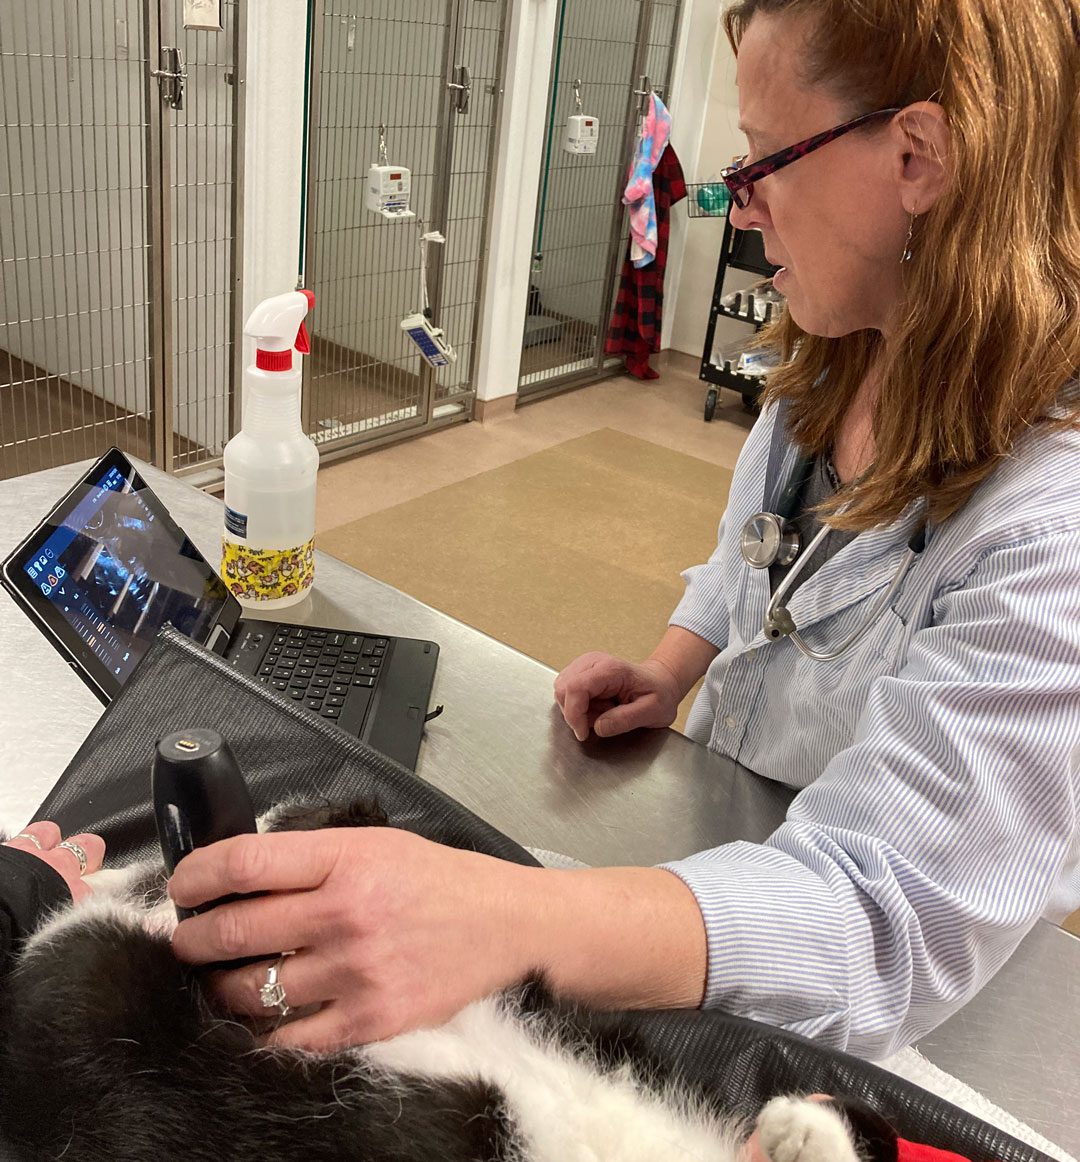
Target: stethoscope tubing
(778, 622)
(859, 632)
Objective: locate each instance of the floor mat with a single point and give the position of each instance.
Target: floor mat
(573, 548)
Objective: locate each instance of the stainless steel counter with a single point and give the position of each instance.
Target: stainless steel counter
(502, 749)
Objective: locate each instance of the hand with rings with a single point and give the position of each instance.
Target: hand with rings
(390, 931)
(72, 858)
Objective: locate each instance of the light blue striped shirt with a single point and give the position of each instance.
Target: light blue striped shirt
(938, 759)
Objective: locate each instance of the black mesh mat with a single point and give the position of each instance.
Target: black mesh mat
(285, 752)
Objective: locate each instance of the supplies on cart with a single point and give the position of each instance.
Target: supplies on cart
(759, 304)
(742, 358)
(756, 362)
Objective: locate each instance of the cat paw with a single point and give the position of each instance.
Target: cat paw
(792, 1129)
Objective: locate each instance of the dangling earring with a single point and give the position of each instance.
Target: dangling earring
(910, 232)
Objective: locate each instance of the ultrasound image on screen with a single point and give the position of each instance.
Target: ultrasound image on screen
(117, 573)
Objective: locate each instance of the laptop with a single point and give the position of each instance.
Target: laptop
(108, 567)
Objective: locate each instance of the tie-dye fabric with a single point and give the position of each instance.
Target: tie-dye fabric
(639, 194)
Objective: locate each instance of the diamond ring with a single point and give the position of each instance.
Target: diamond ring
(272, 992)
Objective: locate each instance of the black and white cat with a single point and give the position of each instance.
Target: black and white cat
(110, 1051)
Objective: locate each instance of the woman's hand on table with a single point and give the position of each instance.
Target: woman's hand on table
(64, 856)
(607, 695)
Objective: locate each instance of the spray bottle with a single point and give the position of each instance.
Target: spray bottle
(268, 558)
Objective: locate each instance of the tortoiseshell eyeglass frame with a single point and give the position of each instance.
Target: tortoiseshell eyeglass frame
(740, 178)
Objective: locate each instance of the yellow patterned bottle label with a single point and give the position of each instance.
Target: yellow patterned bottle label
(267, 574)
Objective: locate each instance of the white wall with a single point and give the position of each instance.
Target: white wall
(708, 106)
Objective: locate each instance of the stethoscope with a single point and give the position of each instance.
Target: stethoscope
(772, 538)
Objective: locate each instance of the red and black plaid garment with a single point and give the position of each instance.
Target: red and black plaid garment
(635, 325)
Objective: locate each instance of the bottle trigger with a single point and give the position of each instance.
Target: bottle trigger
(303, 342)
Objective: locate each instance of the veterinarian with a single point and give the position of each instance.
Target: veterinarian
(39, 871)
(910, 660)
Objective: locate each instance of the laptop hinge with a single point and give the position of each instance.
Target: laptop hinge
(218, 640)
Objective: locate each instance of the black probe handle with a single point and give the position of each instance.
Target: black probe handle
(200, 797)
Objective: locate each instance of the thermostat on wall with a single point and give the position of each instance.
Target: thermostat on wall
(388, 191)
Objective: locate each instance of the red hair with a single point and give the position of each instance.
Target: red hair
(990, 329)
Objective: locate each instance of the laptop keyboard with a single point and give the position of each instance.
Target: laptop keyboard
(321, 669)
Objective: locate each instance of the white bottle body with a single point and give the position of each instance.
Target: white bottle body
(271, 468)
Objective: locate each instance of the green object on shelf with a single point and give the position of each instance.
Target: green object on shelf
(714, 198)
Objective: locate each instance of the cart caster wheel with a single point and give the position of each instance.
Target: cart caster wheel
(710, 403)
(750, 403)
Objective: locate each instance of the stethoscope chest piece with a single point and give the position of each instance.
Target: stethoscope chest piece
(769, 539)
(779, 623)
(772, 538)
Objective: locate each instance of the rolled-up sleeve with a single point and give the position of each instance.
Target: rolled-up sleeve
(702, 609)
(908, 872)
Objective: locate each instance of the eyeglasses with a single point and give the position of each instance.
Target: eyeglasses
(740, 178)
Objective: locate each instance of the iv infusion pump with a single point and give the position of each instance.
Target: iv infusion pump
(388, 191)
(581, 134)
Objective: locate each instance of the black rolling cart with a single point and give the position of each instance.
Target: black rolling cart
(741, 250)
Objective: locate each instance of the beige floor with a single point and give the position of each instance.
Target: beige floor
(575, 547)
(666, 411)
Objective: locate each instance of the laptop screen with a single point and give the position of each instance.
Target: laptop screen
(109, 567)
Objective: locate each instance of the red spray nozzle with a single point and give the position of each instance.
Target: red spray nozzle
(303, 339)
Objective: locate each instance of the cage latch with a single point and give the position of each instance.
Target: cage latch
(171, 76)
(462, 88)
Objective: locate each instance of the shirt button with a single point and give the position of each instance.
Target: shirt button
(730, 722)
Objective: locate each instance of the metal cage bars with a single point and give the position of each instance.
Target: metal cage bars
(382, 64)
(119, 235)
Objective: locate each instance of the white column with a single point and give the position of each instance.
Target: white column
(709, 103)
(698, 41)
(518, 160)
(273, 149)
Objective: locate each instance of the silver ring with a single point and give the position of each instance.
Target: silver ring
(33, 839)
(77, 852)
(272, 993)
